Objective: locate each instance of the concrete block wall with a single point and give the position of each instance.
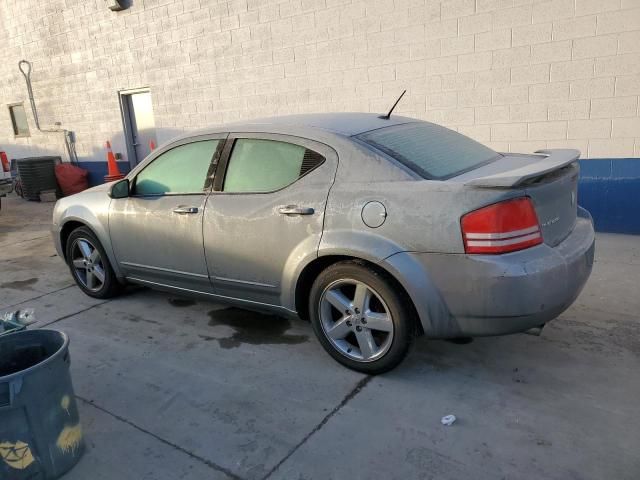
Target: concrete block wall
(518, 75)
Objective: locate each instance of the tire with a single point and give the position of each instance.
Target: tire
(91, 271)
(386, 315)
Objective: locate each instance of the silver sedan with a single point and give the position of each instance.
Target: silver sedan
(376, 229)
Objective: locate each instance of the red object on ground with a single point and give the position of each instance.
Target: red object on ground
(71, 179)
(113, 172)
(152, 145)
(5, 162)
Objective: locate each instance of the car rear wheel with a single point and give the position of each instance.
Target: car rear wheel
(361, 318)
(90, 266)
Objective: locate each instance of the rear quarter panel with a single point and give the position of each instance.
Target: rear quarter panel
(422, 215)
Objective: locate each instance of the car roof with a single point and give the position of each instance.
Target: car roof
(341, 123)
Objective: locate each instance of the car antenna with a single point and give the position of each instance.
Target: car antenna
(388, 115)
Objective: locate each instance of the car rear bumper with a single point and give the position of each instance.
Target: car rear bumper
(501, 294)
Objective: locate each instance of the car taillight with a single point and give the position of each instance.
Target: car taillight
(502, 227)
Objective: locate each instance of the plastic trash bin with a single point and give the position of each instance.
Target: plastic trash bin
(40, 432)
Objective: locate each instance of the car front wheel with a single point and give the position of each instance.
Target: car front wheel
(90, 266)
(361, 318)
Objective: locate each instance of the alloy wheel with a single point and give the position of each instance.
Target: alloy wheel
(356, 320)
(87, 264)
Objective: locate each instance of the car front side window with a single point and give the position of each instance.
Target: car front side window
(183, 169)
(259, 165)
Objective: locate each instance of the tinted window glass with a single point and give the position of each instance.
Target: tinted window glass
(266, 165)
(182, 169)
(430, 150)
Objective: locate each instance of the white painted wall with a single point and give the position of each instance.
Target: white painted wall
(516, 74)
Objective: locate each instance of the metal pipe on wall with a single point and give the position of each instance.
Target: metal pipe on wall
(69, 138)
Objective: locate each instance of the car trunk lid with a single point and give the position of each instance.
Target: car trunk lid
(549, 178)
(555, 199)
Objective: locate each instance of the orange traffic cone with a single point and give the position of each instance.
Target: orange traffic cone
(112, 165)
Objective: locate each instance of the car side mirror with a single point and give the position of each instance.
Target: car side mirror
(120, 189)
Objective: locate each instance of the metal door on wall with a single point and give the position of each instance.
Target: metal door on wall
(139, 124)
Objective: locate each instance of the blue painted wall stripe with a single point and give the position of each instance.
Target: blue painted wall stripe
(609, 188)
(97, 170)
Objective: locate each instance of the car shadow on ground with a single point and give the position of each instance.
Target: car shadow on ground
(480, 357)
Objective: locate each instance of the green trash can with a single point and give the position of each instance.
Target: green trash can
(40, 432)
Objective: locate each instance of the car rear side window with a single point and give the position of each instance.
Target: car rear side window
(432, 151)
(182, 169)
(258, 165)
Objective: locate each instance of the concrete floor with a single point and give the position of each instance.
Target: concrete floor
(171, 388)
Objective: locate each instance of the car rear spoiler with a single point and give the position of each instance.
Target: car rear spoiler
(550, 160)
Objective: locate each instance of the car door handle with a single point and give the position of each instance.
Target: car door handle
(296, 210)
(185, 210)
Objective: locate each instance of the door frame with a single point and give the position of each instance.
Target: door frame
(125, 114)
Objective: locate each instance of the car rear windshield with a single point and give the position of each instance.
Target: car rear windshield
(432, 151)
